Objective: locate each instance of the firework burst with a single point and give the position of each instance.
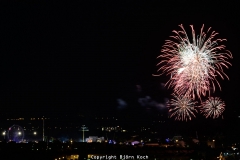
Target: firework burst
(182, 108)
(194, 66)
(213, 107)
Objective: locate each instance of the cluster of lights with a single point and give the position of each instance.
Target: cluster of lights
(72, 157)
(59, 158)
(18, 119)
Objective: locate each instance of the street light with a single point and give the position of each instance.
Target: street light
(19, 133)
(4, 134)
(34, 133)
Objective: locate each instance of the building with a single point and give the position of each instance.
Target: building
(94, 139)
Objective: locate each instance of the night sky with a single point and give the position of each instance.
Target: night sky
(98, 57)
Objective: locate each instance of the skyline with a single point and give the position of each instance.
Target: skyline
(85, 57)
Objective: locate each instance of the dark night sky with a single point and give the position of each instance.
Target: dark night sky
(81, 57)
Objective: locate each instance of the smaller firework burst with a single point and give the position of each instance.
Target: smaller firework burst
(213, 107)
(182, 108)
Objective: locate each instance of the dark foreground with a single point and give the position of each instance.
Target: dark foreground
(53, 151)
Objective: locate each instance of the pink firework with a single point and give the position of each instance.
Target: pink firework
(194, 66)
(213, 107)
(182, 108)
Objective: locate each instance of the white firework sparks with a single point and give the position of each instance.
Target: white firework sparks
(194, 66)
(182, 108)
(213, 107)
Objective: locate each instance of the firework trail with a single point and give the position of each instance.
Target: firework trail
(182, 108)
(213, 107)
(194, 66)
